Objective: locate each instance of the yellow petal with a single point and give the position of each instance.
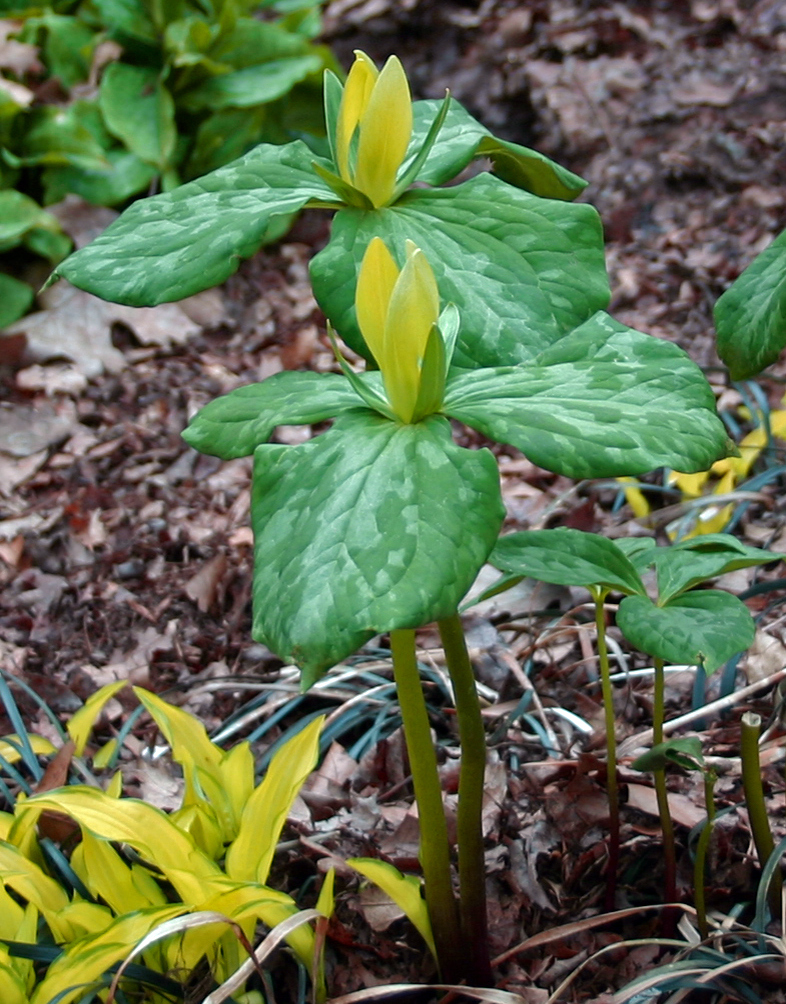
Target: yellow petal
(357, 91)
(385, 132)
(376, 280)
(414, 308)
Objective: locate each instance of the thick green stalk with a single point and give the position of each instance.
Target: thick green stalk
(471, 860)
(710, 778)
(750, 724)
(599, 596)
(661, 791)
(434, 844)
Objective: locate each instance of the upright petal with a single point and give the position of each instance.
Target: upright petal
(413, 310)
(385, 132)
(357, 92)
(376, 281)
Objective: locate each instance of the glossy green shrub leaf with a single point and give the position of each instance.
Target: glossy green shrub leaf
(523, 271)
(462, 138)
(16, 298)
(404, 890)
(140, 111)
(67, 45)
(125, 176)
(750, 317)
(704, 627)
(252, 85)
(567, 558)
(690, 562)
(605, 401)
(177, 243)
(235, 424)
(368, 527)
(19, 217)
(55, 135)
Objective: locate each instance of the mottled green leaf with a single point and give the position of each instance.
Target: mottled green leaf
(19, 215)
(253, 85)
(462, 138)
(369, 527)
(235, 424)
(178, 243)
(750, 317)
(140, 111)
(567, 558)
(605, 401)
(704, 627)
(523, 271)
(689, 562)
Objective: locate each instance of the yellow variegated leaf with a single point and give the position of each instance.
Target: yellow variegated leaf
(86, 918)
(200, 823)
(404, 890)
(635, 497)
(81, 723)
(13, 988)
(6, 822)
(9, 746)
(89, 957)
(127, 820)
(250, 855)
(689, 484)
(12, 915)
(146, 885)
(34, 885)
(187, 736)
(115, 787)
(107, 875)
(237, 778)
(326, 901)
(103, 757)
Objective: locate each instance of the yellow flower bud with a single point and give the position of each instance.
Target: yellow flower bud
(396, 311)
(378, 106)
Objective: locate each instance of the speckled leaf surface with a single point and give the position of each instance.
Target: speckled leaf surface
(522, 270)
(235, 424)
(567, 557)
(606, 401)
(706, 626)
(369, 527)
(462, 138)
(750, 317)
(180, 242)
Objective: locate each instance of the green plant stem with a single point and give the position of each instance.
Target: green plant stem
(701, 853)
(434, 844)
(471, 859)
(599, 595)
(661, 791)
(750, 724)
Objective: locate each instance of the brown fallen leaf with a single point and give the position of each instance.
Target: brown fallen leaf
(683, 811)
(78, 326)
(203, 588)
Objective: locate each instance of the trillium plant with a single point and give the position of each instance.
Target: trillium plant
(482, 304)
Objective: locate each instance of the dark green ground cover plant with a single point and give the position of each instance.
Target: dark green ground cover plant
(482, 303)
(197, 83)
